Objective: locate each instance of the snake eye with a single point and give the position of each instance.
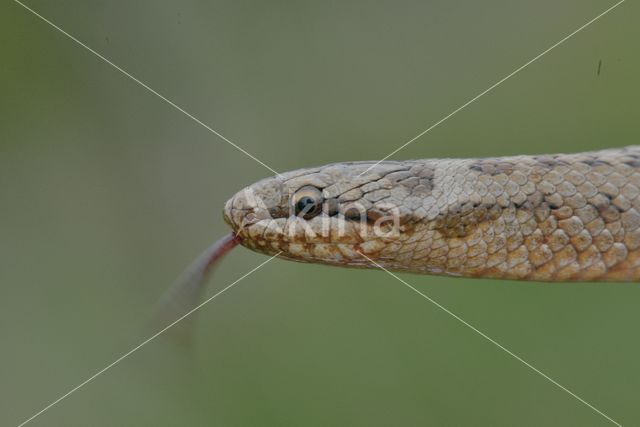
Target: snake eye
(307, 202)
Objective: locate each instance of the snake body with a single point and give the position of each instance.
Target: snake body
(563, 217)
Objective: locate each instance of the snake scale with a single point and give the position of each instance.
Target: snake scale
(562, 217)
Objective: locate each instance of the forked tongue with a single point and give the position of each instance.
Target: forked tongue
(182, 297)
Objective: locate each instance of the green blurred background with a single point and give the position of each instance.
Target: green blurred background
(107, 193)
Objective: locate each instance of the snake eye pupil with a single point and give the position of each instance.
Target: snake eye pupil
(305, 204)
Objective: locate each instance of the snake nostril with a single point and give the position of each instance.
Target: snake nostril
(250, 218)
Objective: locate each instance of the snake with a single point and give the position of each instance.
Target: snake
(546, 218)
(549, 218)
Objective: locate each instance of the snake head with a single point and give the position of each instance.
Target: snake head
(331, 214)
